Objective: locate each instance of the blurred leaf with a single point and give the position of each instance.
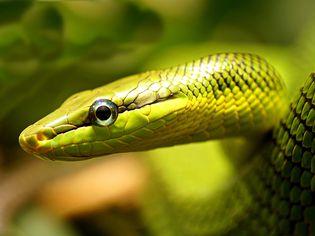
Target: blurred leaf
(58, 48)
(10, 34)
(11, 11)
(43, 25)
(36, 222)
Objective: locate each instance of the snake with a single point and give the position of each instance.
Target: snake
(215, 97)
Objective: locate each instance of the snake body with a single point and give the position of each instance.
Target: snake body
(275, 195)
(218, 96)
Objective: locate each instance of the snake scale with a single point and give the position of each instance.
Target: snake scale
(218, 96)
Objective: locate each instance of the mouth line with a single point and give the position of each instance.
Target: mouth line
(62, 129)
(38, 143)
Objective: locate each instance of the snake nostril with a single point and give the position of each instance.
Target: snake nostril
(41, 136)
(35, 143)
(33, 139)
(29, 143)
(45, 133)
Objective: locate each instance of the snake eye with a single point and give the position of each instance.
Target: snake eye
(103, 112)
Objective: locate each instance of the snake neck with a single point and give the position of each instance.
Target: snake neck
(228, 95)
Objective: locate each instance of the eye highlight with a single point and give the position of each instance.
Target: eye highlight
(103, 112)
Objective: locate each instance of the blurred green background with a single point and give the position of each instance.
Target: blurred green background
(49, 50)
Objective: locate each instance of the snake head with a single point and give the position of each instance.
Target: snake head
(120, 117)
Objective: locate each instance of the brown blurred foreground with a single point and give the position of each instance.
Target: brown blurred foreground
(71, 190)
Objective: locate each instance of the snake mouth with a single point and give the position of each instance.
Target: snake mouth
(35, 138)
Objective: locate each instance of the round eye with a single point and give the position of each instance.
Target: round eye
(103, 112)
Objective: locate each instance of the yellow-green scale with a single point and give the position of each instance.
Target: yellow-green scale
(206, 195)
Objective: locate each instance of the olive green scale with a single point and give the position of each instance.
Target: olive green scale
(284, 181)
(275, 196)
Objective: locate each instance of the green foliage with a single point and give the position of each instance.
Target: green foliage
(53, 49)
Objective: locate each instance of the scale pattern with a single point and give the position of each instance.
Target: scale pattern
(285, 182)
(275, 196)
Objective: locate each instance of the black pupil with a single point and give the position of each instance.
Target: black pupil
(103, 112)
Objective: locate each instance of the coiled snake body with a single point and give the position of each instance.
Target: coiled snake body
(222, 95)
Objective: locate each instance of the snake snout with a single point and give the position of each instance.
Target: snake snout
(34, 139)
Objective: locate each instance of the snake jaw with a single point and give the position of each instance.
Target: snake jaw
(41, 141)
(37, 139)
(132, 130)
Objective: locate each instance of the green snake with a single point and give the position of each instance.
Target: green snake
(214, 97)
